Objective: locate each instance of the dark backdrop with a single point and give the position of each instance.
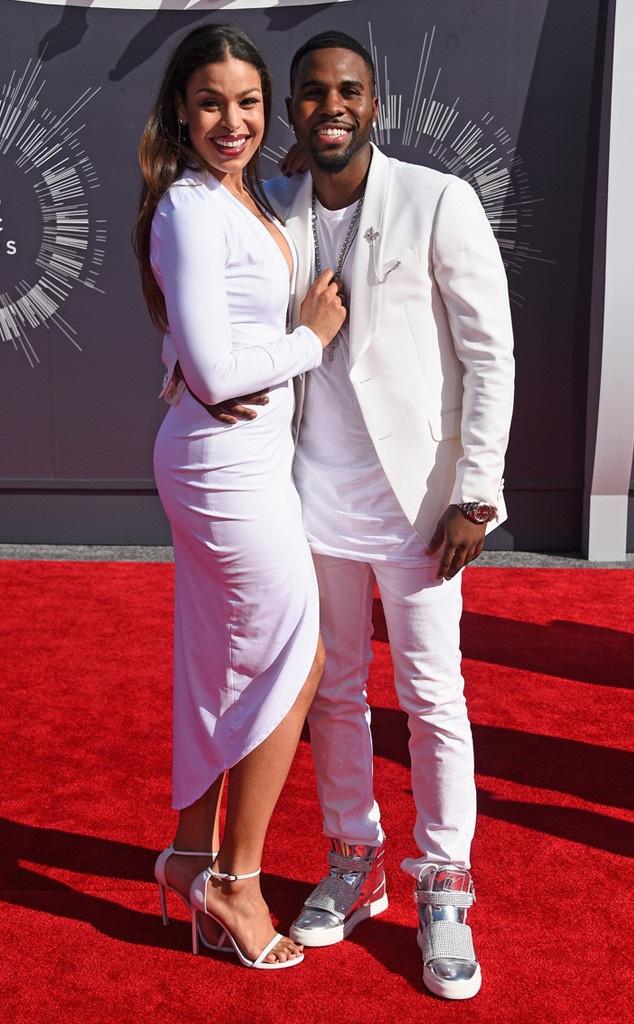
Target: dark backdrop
(503, 92)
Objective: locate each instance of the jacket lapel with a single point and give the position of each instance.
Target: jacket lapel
(298, 224)
(367, 252)
(367, 258)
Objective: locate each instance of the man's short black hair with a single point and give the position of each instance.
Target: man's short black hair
(332, 40)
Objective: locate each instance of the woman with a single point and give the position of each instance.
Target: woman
(216, 269)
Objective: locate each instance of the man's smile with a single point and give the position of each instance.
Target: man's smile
(331, 132)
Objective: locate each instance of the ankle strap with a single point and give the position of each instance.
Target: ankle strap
(225, 877)
(192, 853)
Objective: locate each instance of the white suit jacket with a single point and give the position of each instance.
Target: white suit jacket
(431, 347)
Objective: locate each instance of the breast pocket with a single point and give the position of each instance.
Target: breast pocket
(396, 272)
(446, 425)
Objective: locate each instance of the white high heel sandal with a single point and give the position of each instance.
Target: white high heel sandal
(198, 904)
(163, 885)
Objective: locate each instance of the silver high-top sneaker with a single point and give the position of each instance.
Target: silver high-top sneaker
(353, 890)
(444, 893)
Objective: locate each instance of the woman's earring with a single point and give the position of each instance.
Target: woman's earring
(179, 131)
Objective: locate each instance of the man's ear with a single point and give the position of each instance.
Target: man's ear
(289, 111)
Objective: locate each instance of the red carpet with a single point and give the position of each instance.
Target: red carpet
(549, 662)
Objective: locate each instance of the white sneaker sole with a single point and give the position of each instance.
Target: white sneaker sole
(330, 936)
(462, 989)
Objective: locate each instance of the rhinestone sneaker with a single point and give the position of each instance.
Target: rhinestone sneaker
(444, 893)
(353, 890)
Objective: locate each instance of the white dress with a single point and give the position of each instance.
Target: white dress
(246, 604)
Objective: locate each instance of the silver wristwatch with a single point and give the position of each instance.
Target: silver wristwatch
(478, 511)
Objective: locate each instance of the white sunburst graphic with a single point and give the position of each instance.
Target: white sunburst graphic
(480, 151)
(49, 239)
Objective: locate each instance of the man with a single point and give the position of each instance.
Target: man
(401, 443)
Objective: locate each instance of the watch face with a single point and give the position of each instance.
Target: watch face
(478, 512)
(481, 513)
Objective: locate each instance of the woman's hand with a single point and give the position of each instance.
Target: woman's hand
(323, 308)
(295, 161)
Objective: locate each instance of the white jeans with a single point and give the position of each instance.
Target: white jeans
(423, 621)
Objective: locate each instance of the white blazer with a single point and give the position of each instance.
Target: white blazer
(431, 346)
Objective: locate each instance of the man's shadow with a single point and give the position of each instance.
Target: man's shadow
(596, 774)
(570, 650)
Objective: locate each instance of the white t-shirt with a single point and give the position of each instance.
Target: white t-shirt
(349, 508)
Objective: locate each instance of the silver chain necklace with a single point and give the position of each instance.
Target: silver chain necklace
(348, 241)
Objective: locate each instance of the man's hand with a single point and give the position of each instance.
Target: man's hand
(233, 409)
(460, 541)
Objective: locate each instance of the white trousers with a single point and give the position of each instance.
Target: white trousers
(423, 622)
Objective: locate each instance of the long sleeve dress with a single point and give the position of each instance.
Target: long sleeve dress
(246, 604)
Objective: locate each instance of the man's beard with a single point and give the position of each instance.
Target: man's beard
(332, 163)
(335, 162)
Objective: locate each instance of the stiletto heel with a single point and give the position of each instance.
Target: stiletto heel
(159, 874)
(163, 885)
(161, 889)
(198, 904)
